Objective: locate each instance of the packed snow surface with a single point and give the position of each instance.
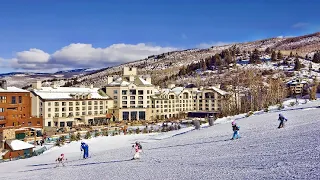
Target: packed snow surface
(262, 152)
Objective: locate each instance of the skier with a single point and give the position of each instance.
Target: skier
(281, 119)
(60, 160)
(85, 148)
(138, 149)
(235, 129)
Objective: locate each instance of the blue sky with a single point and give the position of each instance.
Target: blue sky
(51, 28)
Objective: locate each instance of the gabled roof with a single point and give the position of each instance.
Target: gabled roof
(18, 145)
(49, 93)
(124, 81)
(220, 91)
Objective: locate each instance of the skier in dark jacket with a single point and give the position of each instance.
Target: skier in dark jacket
(235, 129)
(281, 119)
(85, 148)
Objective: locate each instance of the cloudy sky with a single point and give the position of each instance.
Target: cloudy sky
(54, 35)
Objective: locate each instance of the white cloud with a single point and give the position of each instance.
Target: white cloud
(300, 25)
(208, 45)
(83, 55)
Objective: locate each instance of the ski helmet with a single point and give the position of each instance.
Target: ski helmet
(62, 154)
(233, 122)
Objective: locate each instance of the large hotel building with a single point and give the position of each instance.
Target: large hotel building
(127, 97)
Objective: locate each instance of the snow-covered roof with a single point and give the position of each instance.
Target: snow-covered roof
(220, 91)
(50, 93)
(18, 145)
(125, 82)
(13, 89)
(177, 90)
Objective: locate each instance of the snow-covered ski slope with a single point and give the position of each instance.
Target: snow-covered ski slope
(263, 152)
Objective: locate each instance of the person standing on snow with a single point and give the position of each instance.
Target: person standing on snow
(85, 148)
(281, 119)
(60, 160)
(235, 129)
(138, 149)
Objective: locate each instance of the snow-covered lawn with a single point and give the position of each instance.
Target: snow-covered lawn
(263, 152)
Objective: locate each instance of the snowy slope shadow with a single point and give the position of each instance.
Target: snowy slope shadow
(189, 144)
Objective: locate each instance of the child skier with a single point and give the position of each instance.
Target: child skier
(60, 160)
(85, 148)
(281, 119)
(235, 129)
(138, 149)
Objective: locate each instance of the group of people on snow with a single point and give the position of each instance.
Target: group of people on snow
(138, 147)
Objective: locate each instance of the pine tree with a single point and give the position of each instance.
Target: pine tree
(316, 57)
(73, 137)
(255, 58)
(88, 135)
(279, 56)
(78, 136)
(273, 56)
(268, 50)
(291, 54)
(297, 64)
(217, 60)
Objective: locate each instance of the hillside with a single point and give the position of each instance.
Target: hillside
(262, 152)
(168, 64)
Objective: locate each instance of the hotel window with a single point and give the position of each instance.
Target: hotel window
(63, 109)
(2, 117)
(77, 108)
(83, 108)
(90, 103)
(89, 108)
(142, 115)
(140, 92)
(13, 100)
(95, 102)
(56, 109)
(115, 97)
(70, 108)
(101, 112)
(20, 99)
(64, 103)
(63, 114)
(70, 103)
(56, 103)
(90, 113)
(95, 107)
(83, 113)
(77, 114)
(49, 103)
(49, 115)
(132, 102)
(101, 107)
(125, 115)
(77, 103)
(148, 91)
(95, 112)
(83, 103)
(3, 99)
(49, 109)
(1, 109)
(101, 102)
(124, 92)
(56, 115)
(115, 91)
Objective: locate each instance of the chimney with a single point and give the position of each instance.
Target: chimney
(110, 79)
(131, 78)
(148, 79)
(36, 85)
(3, 84)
